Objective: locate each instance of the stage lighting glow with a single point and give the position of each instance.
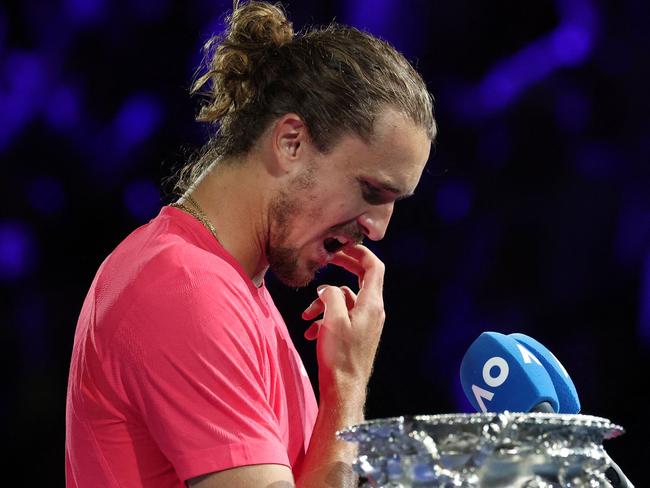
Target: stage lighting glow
(453, 201)
(571, 44)
(21, 93)
(85, 11)
(389, 20)
(63, 108)
(142, 199)
(137, 120)
(16, 250)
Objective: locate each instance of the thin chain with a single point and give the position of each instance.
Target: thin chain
(197, 214)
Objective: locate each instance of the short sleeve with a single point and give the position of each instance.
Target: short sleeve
(195, 368)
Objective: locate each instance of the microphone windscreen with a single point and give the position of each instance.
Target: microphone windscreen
(498, 373)
(567, 394)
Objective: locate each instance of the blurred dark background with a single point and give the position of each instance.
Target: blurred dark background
(533, 215)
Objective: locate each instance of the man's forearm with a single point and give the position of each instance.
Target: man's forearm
(328, 462)
(348, 336)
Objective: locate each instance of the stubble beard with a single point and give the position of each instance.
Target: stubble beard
(283, 259)
(285, 265)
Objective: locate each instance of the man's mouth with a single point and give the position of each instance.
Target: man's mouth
(334, 244)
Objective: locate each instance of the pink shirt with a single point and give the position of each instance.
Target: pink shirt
(180, 366)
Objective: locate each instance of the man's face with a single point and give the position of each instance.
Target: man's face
(343, 196)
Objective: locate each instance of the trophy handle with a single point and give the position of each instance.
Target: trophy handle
(615, 475)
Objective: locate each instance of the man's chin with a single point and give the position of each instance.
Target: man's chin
(297, 278)
(295, 282)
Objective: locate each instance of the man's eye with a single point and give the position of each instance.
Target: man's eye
(372, 194)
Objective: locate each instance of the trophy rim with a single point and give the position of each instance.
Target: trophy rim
(609, 429)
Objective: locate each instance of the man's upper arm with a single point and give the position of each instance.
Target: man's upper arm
(255, 476)
(193, 367)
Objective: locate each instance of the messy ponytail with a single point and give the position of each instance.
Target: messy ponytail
(337, 78)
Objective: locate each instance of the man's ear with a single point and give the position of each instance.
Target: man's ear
(290, 142)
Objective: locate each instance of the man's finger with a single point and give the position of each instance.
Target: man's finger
(348, 263)
(372, 283)
(317, 307)
(335, 308)
(314, 309)
(350, 297)
(312, 332)
(358, 251)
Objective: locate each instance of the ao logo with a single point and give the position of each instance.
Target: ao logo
(501, 368)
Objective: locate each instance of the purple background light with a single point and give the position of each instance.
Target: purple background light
(453, 201)
(84, 12)
(136, 121)
(569, 44)
(142, 199)
(63, 110)
(389, 20)
(21, 94)
(16, 250)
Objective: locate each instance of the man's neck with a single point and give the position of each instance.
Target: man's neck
(234, 199)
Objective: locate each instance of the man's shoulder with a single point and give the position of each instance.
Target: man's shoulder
(162, 251)
(182, 269)
(159, 261)
(175, 258)
(160, 283)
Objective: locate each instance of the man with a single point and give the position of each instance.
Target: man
(182, 369)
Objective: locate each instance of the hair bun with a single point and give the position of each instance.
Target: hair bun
(259, 23)
(231, 60)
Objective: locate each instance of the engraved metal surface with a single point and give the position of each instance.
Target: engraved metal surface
(516, 450)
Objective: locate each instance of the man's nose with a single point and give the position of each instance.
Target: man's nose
(375, 221)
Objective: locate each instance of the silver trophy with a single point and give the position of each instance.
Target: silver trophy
(515, 450)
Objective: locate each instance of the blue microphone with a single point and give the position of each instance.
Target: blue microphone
(499, 373)
(566, 391)
(519, 374)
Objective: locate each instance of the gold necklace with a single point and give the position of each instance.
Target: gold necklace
(197, 214)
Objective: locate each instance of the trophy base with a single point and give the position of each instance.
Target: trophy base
(527, 450)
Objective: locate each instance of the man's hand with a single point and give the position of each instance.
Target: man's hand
(349, 332)
(348, 336)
